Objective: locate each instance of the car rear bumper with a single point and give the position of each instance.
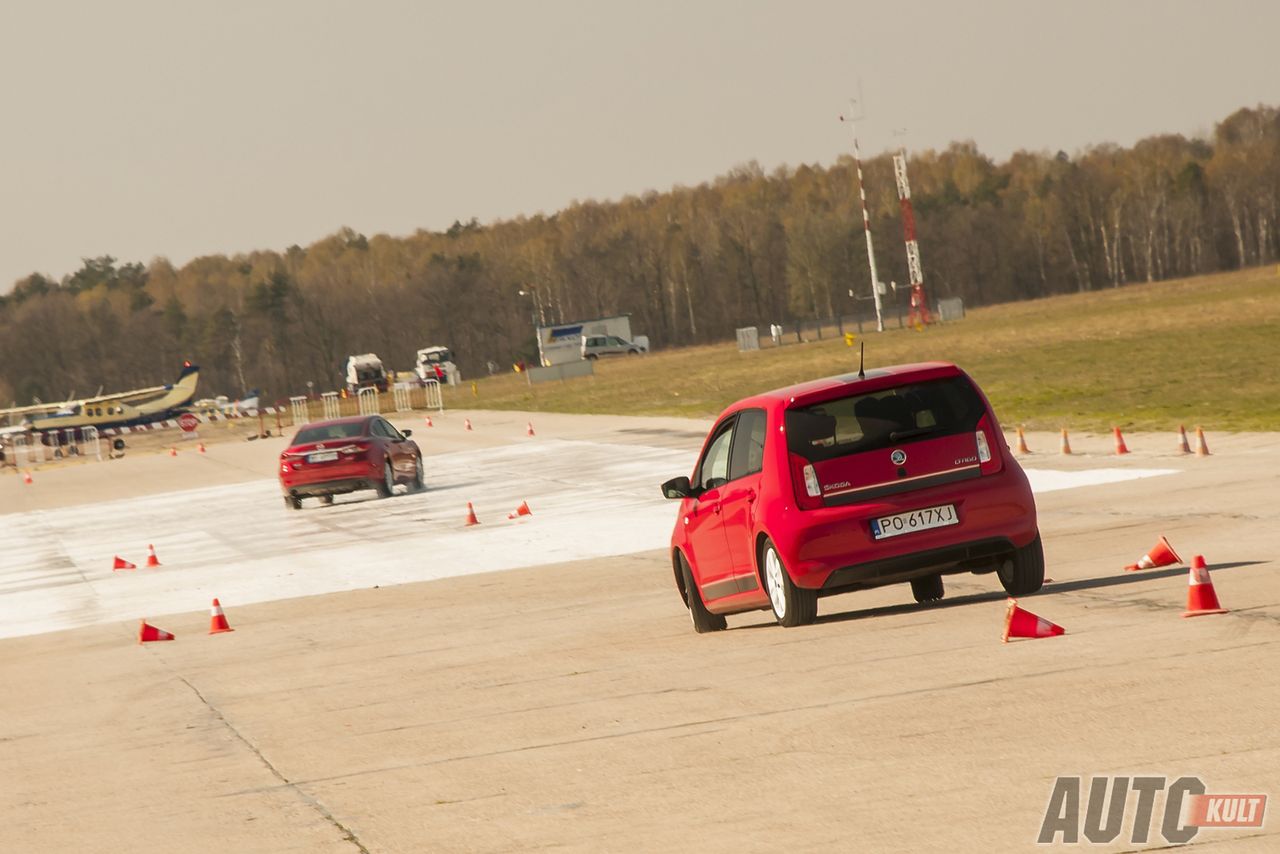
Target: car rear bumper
(331, 478)
(832, 548)
(964, 557)
(330, 487)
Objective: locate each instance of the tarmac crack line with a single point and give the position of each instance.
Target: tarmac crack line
(313, 802)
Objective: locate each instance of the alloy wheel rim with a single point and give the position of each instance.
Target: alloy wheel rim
(773, 580)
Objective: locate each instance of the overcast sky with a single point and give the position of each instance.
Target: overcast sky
(139, 129)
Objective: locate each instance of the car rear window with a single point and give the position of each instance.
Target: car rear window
(866, 422)
(327, 432)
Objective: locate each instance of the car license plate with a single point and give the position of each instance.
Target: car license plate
(917, 520)
(322, 457)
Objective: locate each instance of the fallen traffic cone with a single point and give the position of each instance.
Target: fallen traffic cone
(528, 429)
(1022, 443)
(1120, 445)
(1161, 554)
(200, 447)
(1183, 447)
(429, 424)
(121, 563)
(1066, 446)
(173, 452)
(152, 560)
(1024, 624)
(1202, 450)
(471, 515)
(26, 476)
(522, 510)
(217, 621)
(148, 633)
(1201, 599)
(466, 424)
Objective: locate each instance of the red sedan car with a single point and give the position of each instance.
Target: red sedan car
(896, 475)
(328, 458)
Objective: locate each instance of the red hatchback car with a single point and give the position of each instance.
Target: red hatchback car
(328, 458)
(846, 483)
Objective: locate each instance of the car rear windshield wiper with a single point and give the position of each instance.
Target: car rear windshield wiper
(899, 435)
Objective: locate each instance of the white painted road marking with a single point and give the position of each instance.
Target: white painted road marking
(239, 543)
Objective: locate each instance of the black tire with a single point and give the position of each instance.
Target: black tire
(386, 486)
(1023, 573)
(592, 357)
(927, 589)
(419, 480)
(792, 606)
(703, 620)
(293, 502)
(326, 500)
(633, 352)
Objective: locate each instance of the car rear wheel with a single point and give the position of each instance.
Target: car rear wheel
(792, 606)
(927, 589)
(703, 620)
(326, 500)
(591, 357)
(388, 482)
(1023, 572)
(293, 502)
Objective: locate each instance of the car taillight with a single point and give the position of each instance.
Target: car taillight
(805, 481)
(989, 462)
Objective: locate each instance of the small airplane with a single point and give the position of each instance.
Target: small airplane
(124, 409)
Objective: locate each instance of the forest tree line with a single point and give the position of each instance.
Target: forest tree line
(690, 265)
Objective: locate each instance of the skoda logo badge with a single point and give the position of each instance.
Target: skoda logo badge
(898, 457)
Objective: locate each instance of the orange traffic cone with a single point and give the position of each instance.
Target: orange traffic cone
(1202, 450)
(200, 447)
(466, 424)
(121, 563)
(1183, 447)
(1161, 554)
(1024, 624)
(471, 515)
(1201, 599)
(148, 633)
(1120, 445)
(217, 621)
(26, 476)
(522, 510)
(1022, 442)
(1066, 446)
(173, 452)
(429, 424)
(528, 429)
(152, 560)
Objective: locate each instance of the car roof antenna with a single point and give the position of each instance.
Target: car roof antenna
(862, 354)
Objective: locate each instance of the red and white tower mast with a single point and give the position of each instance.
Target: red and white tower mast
(866, 224)
(918, 316)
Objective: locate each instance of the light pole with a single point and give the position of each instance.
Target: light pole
(866, 218)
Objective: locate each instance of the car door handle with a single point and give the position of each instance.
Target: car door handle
(751, 496)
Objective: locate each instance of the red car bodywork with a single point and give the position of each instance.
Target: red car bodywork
(362, 446)
(826, 544)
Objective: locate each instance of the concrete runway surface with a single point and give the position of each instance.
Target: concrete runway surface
(536, 684)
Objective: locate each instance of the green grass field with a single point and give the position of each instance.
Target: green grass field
(1191, 351)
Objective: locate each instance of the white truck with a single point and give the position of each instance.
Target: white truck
(432, 358)
(366, 371)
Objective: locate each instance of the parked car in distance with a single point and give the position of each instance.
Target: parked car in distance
(901, 475)
(328, 458)
(595, 346)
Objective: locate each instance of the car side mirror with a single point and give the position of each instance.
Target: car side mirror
(406, 433)
(677, 487)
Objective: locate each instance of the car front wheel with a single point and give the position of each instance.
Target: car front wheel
(419, 477)
(792, 606)
(1023, 572)
(703, 620)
